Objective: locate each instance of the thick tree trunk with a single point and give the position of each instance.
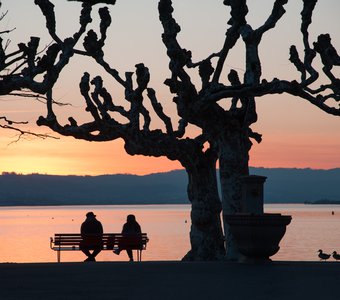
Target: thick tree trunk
(233, 159)
(206, 235)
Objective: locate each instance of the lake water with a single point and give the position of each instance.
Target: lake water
(25, 231)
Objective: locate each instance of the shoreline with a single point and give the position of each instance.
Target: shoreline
(163, 280)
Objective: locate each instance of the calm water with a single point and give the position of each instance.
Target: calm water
(25, 231)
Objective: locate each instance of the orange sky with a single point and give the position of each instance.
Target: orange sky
(295, 134)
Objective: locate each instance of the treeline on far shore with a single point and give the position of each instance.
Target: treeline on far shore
(323, 201)
(281, 186)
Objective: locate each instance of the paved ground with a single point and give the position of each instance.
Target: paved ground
(171, 280)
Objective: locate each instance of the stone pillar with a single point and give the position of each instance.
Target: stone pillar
(252, 194)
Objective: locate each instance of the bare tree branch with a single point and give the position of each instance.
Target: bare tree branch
(22, 133)
(225, 130)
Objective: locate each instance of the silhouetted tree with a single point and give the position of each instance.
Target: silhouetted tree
(28, 69)
(230, 128)
(12, 75)
(21, 69)
(206, 232)
(227, 131)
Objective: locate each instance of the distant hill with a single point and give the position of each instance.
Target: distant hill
(39, 189)
(282, 186)
(300, 185)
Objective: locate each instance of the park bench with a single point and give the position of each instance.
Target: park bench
(109, 241)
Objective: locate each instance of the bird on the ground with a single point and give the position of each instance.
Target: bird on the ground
(335, 255)
(323, 256)
(93, 2)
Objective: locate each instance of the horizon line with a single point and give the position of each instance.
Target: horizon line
(4, 173)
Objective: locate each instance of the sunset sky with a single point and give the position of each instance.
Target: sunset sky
(295, 133)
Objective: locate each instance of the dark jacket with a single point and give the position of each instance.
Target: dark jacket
(131, 227)
(91, 226)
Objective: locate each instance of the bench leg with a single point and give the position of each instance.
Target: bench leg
(58, 256)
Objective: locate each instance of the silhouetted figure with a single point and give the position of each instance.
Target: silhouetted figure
(91, 231)
(335, 255)
(323, 256)
(130, 227)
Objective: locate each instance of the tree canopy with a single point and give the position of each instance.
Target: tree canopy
(222, 104)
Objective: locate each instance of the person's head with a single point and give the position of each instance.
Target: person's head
(131, 218)
(90, 215)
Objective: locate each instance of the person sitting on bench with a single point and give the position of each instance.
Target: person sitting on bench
(91, 231)
(131, 227)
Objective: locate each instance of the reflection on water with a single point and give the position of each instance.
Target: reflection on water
(313, 227)
(25, 231)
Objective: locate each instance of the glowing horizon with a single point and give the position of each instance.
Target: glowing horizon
(295, 133)
(41, 157)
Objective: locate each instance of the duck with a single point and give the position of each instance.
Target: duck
(323, 256)
(335, 255)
